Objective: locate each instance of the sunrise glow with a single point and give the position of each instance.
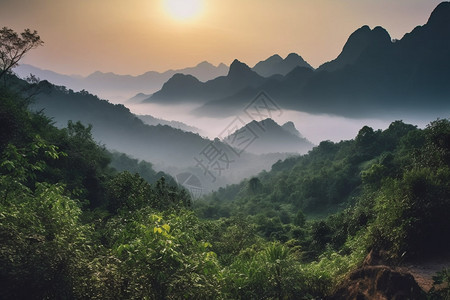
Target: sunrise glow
(183, 9)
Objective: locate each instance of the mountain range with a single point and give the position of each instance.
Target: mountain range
(276, 65)
(182, 88)
(169, 149)
(373, 76)
(121, 87)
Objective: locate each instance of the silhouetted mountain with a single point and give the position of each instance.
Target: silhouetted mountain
(276, 88)
(121, 87)
(357, 43)
(276, 65)
(372, 77)
(182, 88)
(269, 137)
(409, 75)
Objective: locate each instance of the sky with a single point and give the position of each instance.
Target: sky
(136, 36)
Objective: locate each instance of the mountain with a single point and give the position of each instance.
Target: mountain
(71, 81)
(290, 127)
(118, 129)
(150, 120)
(138, 98)
(182, 88)
(121, 87)
(357, 43)
(372, 77)
(169, 149)
(277, 89)
(276, 65)
(269, 137)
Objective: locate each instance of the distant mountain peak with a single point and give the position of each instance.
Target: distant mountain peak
(274, 59)
(290, 127)
(174, 84)
(185, 77)
(276, 65)
(360, 40)
(238, 70)
(440, 15)
(293, 56)
(264, 123)
(238, 67)
(364, 37)
(205, 64)
(274, 138)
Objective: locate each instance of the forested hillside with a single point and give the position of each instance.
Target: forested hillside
(73, 227)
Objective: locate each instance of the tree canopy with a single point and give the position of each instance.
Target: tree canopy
(14, 46)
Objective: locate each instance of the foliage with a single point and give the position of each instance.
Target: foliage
(43, 244)
(268, 273)
(441, 285)
(13, 47)
(161, 258)
(77, 221)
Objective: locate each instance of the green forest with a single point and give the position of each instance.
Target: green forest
(80, 222)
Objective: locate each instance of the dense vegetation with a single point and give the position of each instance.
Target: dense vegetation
(75, 224)
(393, 185)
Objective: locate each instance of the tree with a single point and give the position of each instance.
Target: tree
(14, 46)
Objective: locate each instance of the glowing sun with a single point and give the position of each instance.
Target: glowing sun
(183, 9)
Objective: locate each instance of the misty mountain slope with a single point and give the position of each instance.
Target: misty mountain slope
(119, 129)
(121, 87)
(168, 149)
(290, 127)
(138, 98)
(185, 88)
(329, 174)
(150, 120)
(277, 65)
(372, 77)
(271, 137)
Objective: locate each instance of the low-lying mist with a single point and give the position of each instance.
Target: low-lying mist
(315, 128)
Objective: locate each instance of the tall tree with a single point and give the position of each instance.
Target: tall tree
(14, 46)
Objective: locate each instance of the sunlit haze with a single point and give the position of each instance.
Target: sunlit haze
(183, 10)
(136, 36)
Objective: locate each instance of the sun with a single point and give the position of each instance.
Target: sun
(183, 9)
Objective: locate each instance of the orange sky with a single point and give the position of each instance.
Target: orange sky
(135, 36)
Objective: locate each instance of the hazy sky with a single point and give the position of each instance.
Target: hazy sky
(135, 36)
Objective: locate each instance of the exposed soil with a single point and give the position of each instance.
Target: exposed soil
(423, 271)
(379, 283)
(376, 280)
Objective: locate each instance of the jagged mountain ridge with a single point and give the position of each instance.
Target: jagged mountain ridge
(182, 88)
(372, 77)
(269, 137)
(276, 65)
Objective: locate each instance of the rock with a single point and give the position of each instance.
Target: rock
(378, 282)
